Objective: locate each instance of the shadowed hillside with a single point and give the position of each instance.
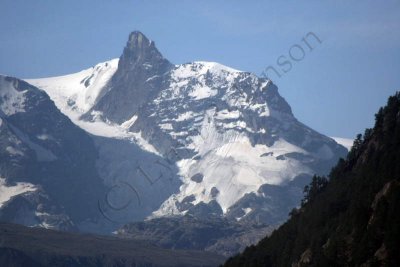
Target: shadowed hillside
(22, 246)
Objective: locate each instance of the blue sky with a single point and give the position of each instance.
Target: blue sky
(336, 88)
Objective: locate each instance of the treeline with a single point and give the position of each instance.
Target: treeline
(351, 217)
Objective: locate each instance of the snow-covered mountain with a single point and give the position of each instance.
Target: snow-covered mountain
(48, 174)
(217, 140)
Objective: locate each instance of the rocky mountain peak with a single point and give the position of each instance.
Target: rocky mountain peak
(138, 77)
(141, 52)
(139, 40)
(276, 101)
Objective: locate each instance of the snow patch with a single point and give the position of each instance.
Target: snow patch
(225, 114)
(129, 123)
(11, 100)
(346, 142)
(201, 92)
(44, 137)
(166, 126)
(7, 192)
(184, 116)
(13, 151)
(246, 212)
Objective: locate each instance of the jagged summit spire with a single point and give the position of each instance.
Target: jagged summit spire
(139, 50)
(138, 40)
(130, 84)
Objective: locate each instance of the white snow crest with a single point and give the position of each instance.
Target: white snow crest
(75, 94)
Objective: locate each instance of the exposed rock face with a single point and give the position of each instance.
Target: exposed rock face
(138, 78)
(214, 234)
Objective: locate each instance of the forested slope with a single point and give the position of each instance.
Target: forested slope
(351, 218)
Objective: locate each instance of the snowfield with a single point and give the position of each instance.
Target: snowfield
(9, 191)
(76, 93)
(219, 114)
(11, 100)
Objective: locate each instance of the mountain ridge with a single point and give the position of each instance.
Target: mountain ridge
(47, 157)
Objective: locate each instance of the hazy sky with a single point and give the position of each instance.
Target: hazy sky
(336, 88)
